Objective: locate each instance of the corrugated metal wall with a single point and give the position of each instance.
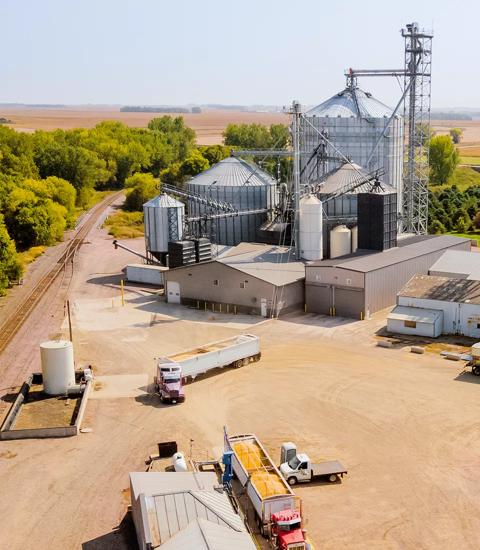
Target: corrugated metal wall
(382, 285)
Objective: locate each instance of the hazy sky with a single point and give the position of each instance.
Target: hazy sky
(218, 51)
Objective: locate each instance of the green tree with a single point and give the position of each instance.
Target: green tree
(443, 158)
(140, 189)
(456, 135)
(10, 267)
(215, 153)
(194, 164)
(437, 228)
(476, 220)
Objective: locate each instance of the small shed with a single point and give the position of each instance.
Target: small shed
(415, 321)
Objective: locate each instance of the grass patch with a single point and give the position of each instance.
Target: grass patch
(474, 161)
(474, 235)
(125, 225)
(28, 256)
(463, 178)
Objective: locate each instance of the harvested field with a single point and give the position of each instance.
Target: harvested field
(208, 125)
(471, 130)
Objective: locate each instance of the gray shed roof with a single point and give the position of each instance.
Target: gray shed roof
(273, 264)
(464, 264)
(205, 535)
(351, 102)
(417, 314)
(366, 262)
(164, 201)
(443, 289)
(150, 483)
(233, 172)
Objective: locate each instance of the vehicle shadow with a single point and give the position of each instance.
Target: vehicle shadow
(466, 376)
(121, 537)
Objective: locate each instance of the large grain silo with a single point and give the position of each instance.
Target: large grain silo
(353, 120)
(241, 184)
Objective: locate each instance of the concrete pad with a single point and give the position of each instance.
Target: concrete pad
(120, 385)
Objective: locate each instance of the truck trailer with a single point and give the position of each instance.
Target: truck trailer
(174, 370)
(277, 509)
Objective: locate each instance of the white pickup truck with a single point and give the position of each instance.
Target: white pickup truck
(300, 469)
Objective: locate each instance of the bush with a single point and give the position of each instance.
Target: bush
(140, 189)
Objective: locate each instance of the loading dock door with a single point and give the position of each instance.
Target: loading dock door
(173, 292)
(349, 302)
(318, 298)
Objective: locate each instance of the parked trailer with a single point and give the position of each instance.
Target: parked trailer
(236, 351)
(268, 492)
(174, 369)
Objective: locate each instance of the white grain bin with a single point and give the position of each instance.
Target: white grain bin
(179, 463)
(57, 366)
(340, 241)
(163, 222)
(354, 231)
(311, 231)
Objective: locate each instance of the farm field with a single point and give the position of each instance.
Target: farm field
(208, 125)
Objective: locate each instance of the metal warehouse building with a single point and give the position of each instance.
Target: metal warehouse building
(180, 510)
(248, 278)
(457, 264)
(359, 285)
(456, 300)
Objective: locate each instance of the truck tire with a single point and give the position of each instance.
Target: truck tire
(257, 357)
(292, 481)
(238, 364)
(332, 478)
(245, 361)
(476, 370)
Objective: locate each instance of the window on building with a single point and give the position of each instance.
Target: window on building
(349, 281)
(215, 282)
(478, 325)
(242, 285)
(410, 324)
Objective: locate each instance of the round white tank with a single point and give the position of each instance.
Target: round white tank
(340, 241)
(179, 463)
(476, 350)
(57, 366)
(311, 230)
(354, 238)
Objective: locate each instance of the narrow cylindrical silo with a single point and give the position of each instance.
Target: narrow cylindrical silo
(311, 228)
(58, 367)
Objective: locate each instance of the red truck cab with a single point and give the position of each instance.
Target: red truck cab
(169, 382)
(287, 533)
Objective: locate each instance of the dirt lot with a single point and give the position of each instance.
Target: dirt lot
(208, 125)
(404, 425)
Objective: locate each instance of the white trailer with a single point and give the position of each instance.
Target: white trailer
(146, 274)
(267, 490)
(235, 351)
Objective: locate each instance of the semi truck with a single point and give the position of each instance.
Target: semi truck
(277, 509)
(174, 370)
(298, 468)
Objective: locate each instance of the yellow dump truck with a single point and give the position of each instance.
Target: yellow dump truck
(267, 490)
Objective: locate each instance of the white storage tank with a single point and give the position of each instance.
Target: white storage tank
(163, 222)
(311, 230)
(57, 366)
(475, 351)
(354, 231)
(340, 241)
(179, 462)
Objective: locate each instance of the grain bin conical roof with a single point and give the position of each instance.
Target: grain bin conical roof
(351, 102)
(233, 172)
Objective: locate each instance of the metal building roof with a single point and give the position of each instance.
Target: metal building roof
(205, 535)
(273, 264)
(458, 263)
(443, 289)
(417, 314)
(351, 102)
(164, 201)
(365, 262)
(151, 483)
(233, 172)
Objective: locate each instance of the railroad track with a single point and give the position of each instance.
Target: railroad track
(15, 320)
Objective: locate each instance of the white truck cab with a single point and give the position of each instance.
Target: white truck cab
(297, 469)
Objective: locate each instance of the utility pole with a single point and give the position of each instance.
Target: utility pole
(296, 110)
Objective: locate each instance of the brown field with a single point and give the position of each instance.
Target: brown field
(208, 125)
(471, 131)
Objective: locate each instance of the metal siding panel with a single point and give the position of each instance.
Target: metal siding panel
(318, 298)
(349, 302)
